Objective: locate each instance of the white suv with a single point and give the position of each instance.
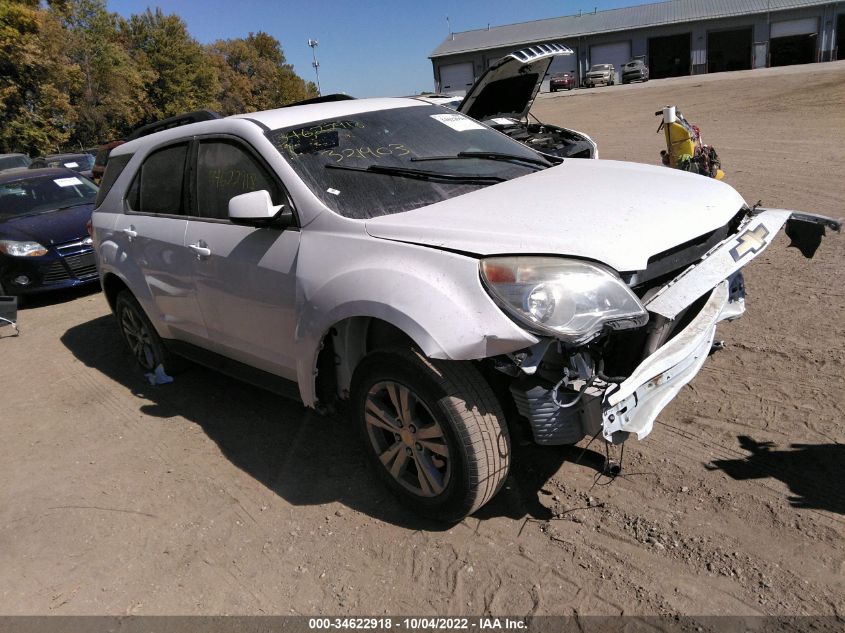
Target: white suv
(445, 281)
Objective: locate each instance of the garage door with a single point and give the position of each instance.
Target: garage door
(729, 50)
(669, 55)
(456, 79)
(793, 42)
(788, 28)
(618, 53)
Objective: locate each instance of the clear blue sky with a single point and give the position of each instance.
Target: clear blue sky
(367, 48)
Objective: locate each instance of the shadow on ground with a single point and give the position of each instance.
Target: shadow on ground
(813, 472)
(55, 297)
(305, 458)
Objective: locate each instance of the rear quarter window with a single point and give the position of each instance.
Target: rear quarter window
(114, 168)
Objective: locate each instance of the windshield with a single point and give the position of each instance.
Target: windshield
(44, 193)
(599, 67)
(368, 165)
(10, 162)
(76, 162)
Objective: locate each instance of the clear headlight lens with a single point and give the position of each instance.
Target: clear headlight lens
(22, 249)
(570, 299)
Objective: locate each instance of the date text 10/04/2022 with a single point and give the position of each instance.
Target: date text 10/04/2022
(422, 623)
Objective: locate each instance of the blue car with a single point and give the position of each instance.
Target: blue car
(44, 241)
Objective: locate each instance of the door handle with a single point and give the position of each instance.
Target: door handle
(201, 249)
(130, 232)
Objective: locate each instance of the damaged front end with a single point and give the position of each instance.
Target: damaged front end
(616, 379)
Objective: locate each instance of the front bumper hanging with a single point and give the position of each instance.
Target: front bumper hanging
(632, 407)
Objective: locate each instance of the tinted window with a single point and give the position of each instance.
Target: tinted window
(77, 162)
(10, 162)
(113, 170)
(159, 184)
(225, 170)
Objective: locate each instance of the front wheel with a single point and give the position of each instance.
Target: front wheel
(433, 430)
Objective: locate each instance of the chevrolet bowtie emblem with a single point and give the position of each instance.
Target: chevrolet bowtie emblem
(750, 241)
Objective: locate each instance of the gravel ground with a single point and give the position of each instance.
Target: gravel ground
(208, 496)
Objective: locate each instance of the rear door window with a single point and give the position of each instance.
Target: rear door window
(226, 169)
(159, 185)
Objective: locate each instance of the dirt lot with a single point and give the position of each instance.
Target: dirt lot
(209, 496)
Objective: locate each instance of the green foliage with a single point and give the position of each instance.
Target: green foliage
(254, 75)
(35, 79)
(181, 78)
(73, 74)
(111, 97)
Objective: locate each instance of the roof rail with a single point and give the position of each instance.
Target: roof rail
(323, 99)
(174, 121)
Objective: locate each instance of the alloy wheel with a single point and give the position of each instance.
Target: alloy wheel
(407, 438)
(138, 337)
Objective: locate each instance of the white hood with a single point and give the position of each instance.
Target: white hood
(613, 212)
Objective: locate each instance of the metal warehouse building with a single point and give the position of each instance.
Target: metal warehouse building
(680, 37)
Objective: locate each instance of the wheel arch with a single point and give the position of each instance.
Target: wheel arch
(342, 345)
(112, 286)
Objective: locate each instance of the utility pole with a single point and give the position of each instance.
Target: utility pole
(313, 44)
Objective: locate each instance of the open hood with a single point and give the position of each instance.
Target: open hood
(617, 213)
(507, 89)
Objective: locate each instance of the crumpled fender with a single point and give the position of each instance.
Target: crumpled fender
(433, 296)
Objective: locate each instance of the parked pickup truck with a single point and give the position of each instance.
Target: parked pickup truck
(600, 74)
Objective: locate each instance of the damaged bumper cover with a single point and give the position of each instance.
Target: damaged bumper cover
(633, 405)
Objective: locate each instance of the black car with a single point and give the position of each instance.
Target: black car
(14, 161)
(81, 163)
(44, 241)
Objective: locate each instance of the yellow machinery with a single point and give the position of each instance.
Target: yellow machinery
(684, 149)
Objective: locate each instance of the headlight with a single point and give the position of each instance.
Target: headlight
(570, 299)
(22, 249)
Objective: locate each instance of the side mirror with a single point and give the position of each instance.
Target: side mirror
(256, 208)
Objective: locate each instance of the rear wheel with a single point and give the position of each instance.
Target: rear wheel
(144, 342)
(433, 431)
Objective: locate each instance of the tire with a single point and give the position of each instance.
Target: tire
(452, 425)
(140, 336)
(552, 89)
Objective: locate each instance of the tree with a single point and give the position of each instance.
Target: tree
(36, 78)
(254, 74)
(180, 77)
(111, 98)
(73, 74)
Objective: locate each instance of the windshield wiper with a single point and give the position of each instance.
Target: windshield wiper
(419, 174)
(68, 206)
(507, 158)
